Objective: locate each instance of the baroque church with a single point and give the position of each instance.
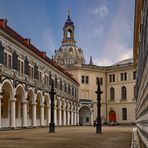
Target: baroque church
(117, 82)
(26, 73)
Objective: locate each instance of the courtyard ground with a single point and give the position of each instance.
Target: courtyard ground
(67, 137)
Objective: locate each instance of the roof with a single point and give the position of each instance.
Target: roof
(126, 61)
(26, 42)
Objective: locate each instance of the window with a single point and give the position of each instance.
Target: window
(56, 81)
(87, 80)
(65, 87)
(100, 80)
(7, 60)
(82, 79)
(112, 93)
(60, 84)
(39, 75)
(68, 88)
(112, 78)
(134, 75)
(124, 114)
(20, 66)
(123, 92)
(31, 71)
(123, 76)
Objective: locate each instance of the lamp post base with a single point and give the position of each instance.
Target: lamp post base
(51, 127)
(98, 129)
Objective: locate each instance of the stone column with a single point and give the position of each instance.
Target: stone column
(42, 115)
(75, 116)
(72, 117)
(64, 117)
(12, 113)
(24, 104)
(34, 114)
(68, 117)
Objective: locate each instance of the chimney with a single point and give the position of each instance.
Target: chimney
(3, 22)
(27, 41)
(43, 53)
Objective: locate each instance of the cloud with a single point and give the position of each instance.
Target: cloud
(100, 11)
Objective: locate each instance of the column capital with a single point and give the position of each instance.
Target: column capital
(13, 99)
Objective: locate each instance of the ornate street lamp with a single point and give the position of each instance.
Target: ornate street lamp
(52, 124)
(98, 120)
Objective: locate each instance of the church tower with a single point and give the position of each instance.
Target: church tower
(68, 32)
(69, 54)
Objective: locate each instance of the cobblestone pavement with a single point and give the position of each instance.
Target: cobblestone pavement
(67, 137)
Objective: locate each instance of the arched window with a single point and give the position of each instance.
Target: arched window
(69, 33)
(123, 92)
(112, 93)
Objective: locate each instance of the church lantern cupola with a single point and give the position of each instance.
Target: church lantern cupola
(68, 32)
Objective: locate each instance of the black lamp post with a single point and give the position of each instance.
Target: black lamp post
(98, 120)
(52, 124)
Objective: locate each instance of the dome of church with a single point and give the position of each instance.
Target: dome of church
(69, 55)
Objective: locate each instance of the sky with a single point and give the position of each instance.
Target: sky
(103, 28)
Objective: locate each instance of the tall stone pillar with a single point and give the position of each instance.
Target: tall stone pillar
(42, 115)
(34, 115)
(12, 112)
(72, 117)
(68, 117)
(75, 116)
(64, 117)
(24, 105)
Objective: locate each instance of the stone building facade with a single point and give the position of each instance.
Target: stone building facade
(141, 64)
(25, 82)
(117, 82)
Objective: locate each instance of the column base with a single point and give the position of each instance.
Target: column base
(51, 127)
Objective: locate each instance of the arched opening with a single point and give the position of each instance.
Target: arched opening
(112, 116)
(30, 98)
(5, 104)
(69, 33)
(85, 115)
(20, 95)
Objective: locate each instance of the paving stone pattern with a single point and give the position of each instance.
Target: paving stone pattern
(67, 137)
